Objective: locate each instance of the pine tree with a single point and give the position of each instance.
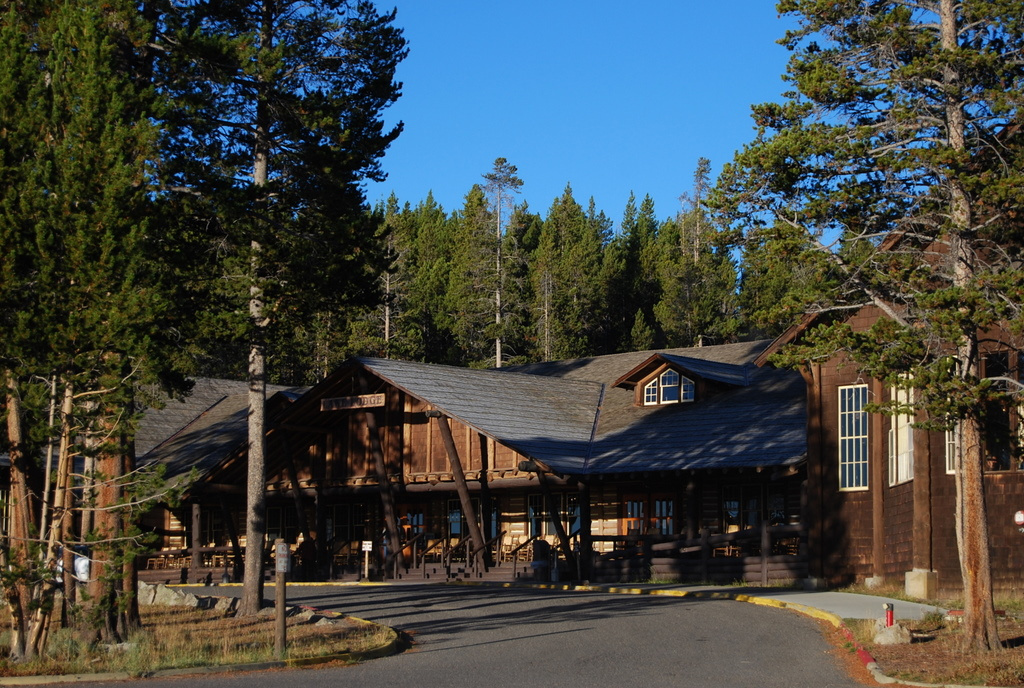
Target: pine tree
(473, 281)
(696, 275)
(83, 302)
(278, 120)
(629, 277)
(424, 328)
(896, 157)
(778, 272)
(521, 235)
(567, 297)
(502, 182)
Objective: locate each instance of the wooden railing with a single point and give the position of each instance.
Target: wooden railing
(764, 550)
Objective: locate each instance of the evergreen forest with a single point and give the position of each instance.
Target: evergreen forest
(567, 283)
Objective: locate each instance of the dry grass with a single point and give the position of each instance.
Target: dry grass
(936, 653)
(179, 637)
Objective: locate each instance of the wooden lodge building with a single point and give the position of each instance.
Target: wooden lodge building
(685, 463)
(880, 493)
(704, 464)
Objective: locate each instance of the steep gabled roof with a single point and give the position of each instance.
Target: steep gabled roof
(761, 425)
(546, 419)
(729, 373)
(205, 442)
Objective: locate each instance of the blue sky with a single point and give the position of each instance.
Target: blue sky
(606, 98)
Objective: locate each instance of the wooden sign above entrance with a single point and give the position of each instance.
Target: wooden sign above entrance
(361, 401)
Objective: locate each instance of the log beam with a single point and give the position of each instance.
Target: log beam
(476, 537)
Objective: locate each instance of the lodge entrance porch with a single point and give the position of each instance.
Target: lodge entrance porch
(762, 555)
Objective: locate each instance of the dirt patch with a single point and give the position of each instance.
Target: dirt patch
(936, 655)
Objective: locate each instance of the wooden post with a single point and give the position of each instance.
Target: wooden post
(320, 516)
(556, 520)
(486, 501)
(705, 553)
(475, 536)
(877, 468)
(282, 560)
(387, 499)
(197, 530)
(236, 548)
(293, 478)
(815, 508)
(586, 554)
(766, 549)
(692, 507)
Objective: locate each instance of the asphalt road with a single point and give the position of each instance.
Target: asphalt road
(499, 638)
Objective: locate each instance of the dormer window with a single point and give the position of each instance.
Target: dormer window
(668, 388)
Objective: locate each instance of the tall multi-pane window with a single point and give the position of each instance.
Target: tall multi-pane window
(853, 438)
(664, 515)
(951, 450)
(539, 518)
(537, 515)
(901, 440)
(634, 520)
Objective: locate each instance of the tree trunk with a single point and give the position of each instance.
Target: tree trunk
(16, 593)
(497, 286)
(472, 523)
(59, 521)
(255, 525)
(980, 630)
(972, 518)
(255, 518)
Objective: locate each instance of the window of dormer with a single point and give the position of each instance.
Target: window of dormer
(668, 388)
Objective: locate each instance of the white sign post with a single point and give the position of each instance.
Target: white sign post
(367, 548)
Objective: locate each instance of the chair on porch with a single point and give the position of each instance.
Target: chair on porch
(728, 549)
(508, 548)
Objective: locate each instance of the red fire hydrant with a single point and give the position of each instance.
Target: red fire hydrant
(888, 606)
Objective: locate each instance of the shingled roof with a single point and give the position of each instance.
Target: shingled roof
(200, 430)
(549, 420)
(760, 422)
(566, 414)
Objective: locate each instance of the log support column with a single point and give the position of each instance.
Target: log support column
(476, 537)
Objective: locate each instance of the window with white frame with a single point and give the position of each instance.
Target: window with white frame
(951, 451)
(853, 438)
(668, 388)
(901, 440)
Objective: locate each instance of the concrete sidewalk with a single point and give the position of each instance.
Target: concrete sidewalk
(845, 605)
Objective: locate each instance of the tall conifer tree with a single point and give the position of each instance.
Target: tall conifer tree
(899, 143)
(82, 303)
(502, 183)
(279, 120)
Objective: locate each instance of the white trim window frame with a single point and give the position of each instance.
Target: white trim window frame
(853, 442)
(901, 440)
(668, 387)
(952, 445)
